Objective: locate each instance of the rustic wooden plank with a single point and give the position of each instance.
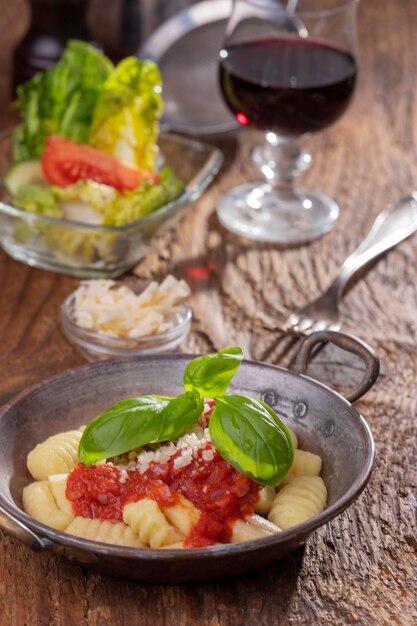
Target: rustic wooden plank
(360, 568)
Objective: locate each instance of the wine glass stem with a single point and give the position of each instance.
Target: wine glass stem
(280, 160)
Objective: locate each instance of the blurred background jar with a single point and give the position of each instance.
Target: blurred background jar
(118, 27)
(52, 23)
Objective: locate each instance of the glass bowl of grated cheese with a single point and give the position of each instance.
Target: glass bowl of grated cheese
(107, 319)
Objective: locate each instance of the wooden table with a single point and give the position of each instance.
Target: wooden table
(361, 568)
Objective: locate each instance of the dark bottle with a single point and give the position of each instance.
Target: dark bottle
(289, 86)
(117, 25)
(53, 22)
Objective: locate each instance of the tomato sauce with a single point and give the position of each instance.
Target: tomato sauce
(218, 490)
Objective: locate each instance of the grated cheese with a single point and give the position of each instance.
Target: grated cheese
(188, 444)
(104, 307)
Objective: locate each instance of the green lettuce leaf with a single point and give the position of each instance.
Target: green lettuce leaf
(39, 199)
(115, 208)
(126, 118)
(146, 199)
(60, 100)
(96, 195)
(36, 109)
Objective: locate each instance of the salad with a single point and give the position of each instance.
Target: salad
(86, 149)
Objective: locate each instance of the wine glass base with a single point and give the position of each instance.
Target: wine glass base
(263, 213)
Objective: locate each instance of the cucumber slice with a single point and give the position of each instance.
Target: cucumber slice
(26, 173)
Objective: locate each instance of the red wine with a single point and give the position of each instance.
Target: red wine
(289, 86)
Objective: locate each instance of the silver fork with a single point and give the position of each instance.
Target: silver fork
(390, 228)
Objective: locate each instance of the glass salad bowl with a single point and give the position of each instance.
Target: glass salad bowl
(95, 251)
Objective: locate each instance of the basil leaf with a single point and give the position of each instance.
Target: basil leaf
(180, 414)
(252, 438)
(211, 374)
(136, 422)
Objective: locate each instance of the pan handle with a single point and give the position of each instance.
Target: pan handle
(17, 529)
(350, 344)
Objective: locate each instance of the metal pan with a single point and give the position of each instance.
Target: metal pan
(324, 421)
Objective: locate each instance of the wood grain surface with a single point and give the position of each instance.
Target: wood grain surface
(361, 568)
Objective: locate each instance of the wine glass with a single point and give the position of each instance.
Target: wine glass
(287, 70)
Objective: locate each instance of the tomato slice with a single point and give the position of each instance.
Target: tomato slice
(64, 162)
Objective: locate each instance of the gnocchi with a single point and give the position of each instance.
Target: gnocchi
(174, 495)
